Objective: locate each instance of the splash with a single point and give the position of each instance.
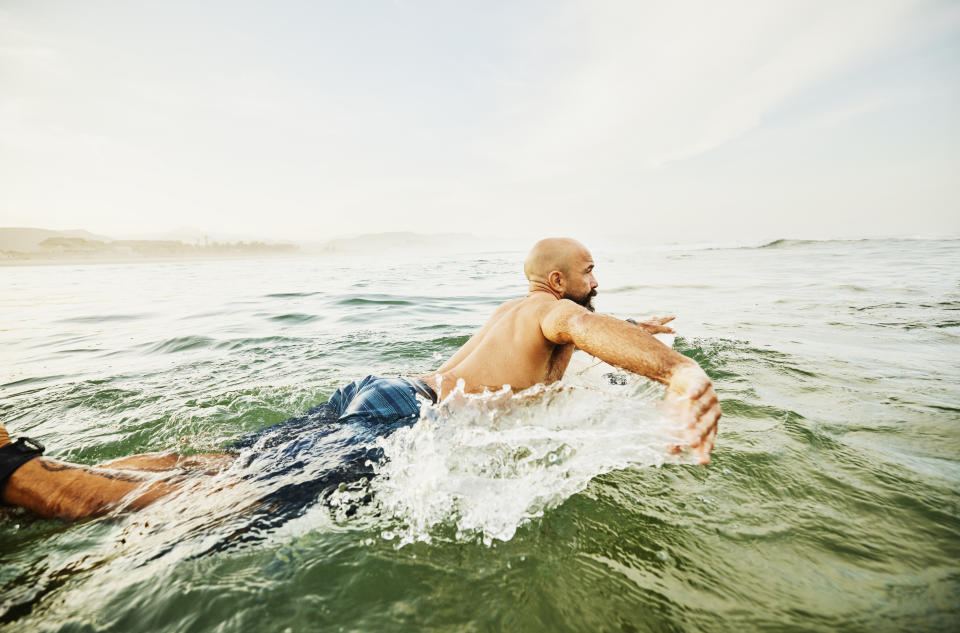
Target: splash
(475, 467)
(481, 466)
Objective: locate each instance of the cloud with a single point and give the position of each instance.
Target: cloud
(654, 83)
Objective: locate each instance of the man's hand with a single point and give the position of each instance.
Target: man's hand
(656, 325)
(690, 397)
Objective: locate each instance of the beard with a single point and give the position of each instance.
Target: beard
(586, 301)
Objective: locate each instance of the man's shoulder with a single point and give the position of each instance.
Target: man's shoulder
(537, 302)
(559, 319)
(524, 304)
(547, 310)
(536, 307)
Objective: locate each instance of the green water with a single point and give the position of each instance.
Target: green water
(831, 502)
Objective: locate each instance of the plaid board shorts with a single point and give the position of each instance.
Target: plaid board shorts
(382, 400)
(372, 406)
(303, 459)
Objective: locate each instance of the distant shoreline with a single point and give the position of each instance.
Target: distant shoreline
(45, 260)
(24, 246)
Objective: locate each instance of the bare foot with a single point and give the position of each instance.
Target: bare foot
(4, 436)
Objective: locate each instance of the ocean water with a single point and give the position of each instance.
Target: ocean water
(831, 502)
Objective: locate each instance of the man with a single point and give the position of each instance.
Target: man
(525, 342)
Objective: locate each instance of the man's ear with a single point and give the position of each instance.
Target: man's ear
(557, 281)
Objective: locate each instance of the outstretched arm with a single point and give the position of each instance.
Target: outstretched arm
(625, 345)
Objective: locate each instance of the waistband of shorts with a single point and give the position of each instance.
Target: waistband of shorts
(423, 389)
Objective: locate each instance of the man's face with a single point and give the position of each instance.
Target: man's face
(581, 284)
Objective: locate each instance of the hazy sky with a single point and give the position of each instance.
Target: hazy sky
(671, 121)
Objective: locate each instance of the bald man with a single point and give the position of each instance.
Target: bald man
(530, 340)
(527, 341)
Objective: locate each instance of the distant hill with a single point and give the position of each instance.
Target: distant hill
(31, 245)
(27, 240)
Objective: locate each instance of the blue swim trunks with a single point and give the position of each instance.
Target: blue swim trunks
(304, 459)
(372, 405)
(380, 400)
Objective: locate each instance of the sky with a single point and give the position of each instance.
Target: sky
(675, 121)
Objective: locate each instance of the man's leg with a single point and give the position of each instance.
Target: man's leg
(52, 488)
(159, 462)
(68, 491)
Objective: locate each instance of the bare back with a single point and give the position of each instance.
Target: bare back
(510, 349)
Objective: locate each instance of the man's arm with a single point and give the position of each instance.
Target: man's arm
(625, 345)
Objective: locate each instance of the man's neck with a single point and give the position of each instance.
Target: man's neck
(539, 286)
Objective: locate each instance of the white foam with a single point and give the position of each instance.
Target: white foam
(480, 466)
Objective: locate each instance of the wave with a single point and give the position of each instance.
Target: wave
(368, 300)
(294, 317)
(784, 242)
(289, 295)
(681, 249)
(180, 344)
(259, 342)
(102, 318)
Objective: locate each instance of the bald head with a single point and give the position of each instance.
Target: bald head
(562, 266)
(553, 254)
